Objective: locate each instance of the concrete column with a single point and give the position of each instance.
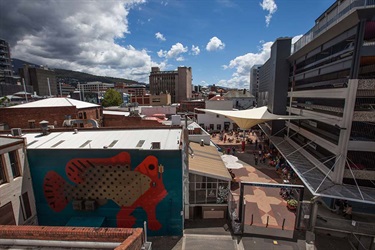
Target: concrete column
(313, 215)
(345, 129)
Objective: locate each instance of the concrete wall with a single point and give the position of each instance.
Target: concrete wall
(149, 111)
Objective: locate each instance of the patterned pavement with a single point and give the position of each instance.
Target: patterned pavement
(262, 203)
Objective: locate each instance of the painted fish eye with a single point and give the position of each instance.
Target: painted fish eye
(151, 167)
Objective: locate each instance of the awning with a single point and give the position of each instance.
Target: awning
(248, 118)
(206, 161)
(315, 180)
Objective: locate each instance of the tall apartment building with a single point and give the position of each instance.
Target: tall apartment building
(254, 79)
(178, 83)
(42, 79)
(5, 61)
(273, 82)
(332, 80)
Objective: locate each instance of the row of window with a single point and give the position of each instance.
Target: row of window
(14, 163)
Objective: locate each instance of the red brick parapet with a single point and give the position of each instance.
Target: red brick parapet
(131, 238)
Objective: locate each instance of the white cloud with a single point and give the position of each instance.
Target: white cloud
(79, 36)
(160, 36)
(242, 65)
(271, 7)
(175, 52)
(180, 59)
(195, 50)
(215, 44)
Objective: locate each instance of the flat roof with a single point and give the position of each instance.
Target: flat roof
(56, 102)
(112, 139)
(4, 141)
(207, 161)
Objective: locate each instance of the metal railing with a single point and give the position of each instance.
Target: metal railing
(318, 28)
(345, 225)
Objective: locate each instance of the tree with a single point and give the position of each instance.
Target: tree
(112, 98)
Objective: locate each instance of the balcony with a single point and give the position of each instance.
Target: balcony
(332, 19)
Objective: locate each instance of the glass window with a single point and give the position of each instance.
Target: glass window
(3, 177)
(14, 163)
(191, 197)
(201, 196)
(25, 205)
(218, 126)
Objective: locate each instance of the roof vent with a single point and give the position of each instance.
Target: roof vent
(44, 126)
(155, 145)
(16, 132)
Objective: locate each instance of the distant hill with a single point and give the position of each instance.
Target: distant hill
(73, 77)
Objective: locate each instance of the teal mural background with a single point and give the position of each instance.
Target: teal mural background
(168, 211)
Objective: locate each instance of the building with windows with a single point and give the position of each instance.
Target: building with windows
(177, 83)
(6, 70)
(42, 79)
(331, 80)
(215, 122)
(59, 112)
(17, 202)
(254, 79)
(273, 81)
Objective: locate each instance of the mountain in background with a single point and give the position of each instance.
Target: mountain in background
(73, 77)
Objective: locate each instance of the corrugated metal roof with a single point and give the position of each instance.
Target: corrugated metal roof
(207, 161)
(98, 139)
(56, 102)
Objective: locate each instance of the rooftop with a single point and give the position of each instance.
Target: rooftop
(238, 94)
(57, 102)
(5, 141)
(45, 237)
(114, 139)
(207, 161)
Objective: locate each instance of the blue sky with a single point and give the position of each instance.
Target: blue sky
(220, 39)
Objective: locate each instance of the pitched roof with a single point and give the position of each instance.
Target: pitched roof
(56, 102)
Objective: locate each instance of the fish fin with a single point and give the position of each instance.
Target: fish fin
(76, 168)
(54, 191)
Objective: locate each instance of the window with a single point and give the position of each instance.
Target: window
(84, 115)
(212, 126)
(218, 126)
(14, 163)
(7, 215)
(31, 123)
(25, 206)
(3, 177)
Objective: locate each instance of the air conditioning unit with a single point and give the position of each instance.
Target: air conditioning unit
(16, 132)
(78, 205)
(90, 205)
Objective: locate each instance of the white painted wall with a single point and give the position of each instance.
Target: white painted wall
(220, 105)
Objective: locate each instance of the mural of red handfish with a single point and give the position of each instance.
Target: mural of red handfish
(103, 179)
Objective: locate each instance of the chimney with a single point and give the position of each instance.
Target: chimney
(44, 127)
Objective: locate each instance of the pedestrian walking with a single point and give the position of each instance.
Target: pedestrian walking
(233, 150)
(256, 160)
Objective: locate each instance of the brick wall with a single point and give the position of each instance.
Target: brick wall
(128, 121)
(131, 238)
(19, 117)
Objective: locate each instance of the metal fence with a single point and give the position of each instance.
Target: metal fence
(344, 225)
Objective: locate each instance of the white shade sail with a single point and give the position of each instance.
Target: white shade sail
(248, 118)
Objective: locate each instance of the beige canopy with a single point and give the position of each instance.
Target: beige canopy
(248, 118)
